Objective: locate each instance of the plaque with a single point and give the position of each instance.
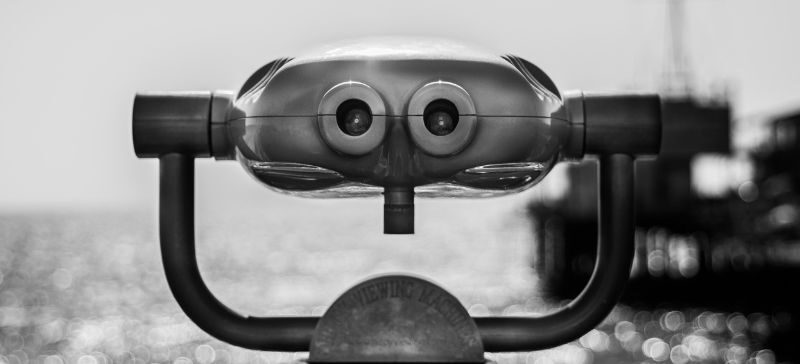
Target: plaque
(396, 319)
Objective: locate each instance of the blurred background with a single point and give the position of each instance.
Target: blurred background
(717, 237)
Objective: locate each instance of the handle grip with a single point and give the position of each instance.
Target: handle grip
(613, 123)
(190, 123)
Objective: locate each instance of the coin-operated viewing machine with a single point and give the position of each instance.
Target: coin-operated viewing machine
(403, 118)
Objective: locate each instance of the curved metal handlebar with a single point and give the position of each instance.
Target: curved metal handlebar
(615, 251)
(611, 272)
(176, 222)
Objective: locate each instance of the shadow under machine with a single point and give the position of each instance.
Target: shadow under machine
(401, 118)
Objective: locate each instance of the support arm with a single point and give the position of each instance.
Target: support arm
(614, 258)
(615, 251)
(176, 220)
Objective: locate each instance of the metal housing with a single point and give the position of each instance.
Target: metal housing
(285, 137)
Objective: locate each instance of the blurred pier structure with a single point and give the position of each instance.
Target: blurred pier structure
(718, 224)
(714, 230)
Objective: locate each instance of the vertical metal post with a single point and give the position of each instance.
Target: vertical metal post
(398, 210)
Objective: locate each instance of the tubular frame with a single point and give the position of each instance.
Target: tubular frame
(612, 269)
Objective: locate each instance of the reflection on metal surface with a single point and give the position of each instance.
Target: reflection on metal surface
(449, 190)
(525, 167)
(342, 190)
(306, 180)
(295, 176)
(396, 319)
(398, 48)
(254, 86)
(491, 180)
(544, 86)
(504, 176)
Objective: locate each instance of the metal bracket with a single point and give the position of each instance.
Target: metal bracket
(612, 269)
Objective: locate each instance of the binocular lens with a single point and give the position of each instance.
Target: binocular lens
(441, 117)
(354, 117)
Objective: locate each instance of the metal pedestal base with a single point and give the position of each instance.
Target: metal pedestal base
(398, 319)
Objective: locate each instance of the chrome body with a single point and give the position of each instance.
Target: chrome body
(511, 126)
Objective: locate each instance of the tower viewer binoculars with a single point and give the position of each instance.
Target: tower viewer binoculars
(402, 118)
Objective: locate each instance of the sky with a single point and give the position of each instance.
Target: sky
(69, 70)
